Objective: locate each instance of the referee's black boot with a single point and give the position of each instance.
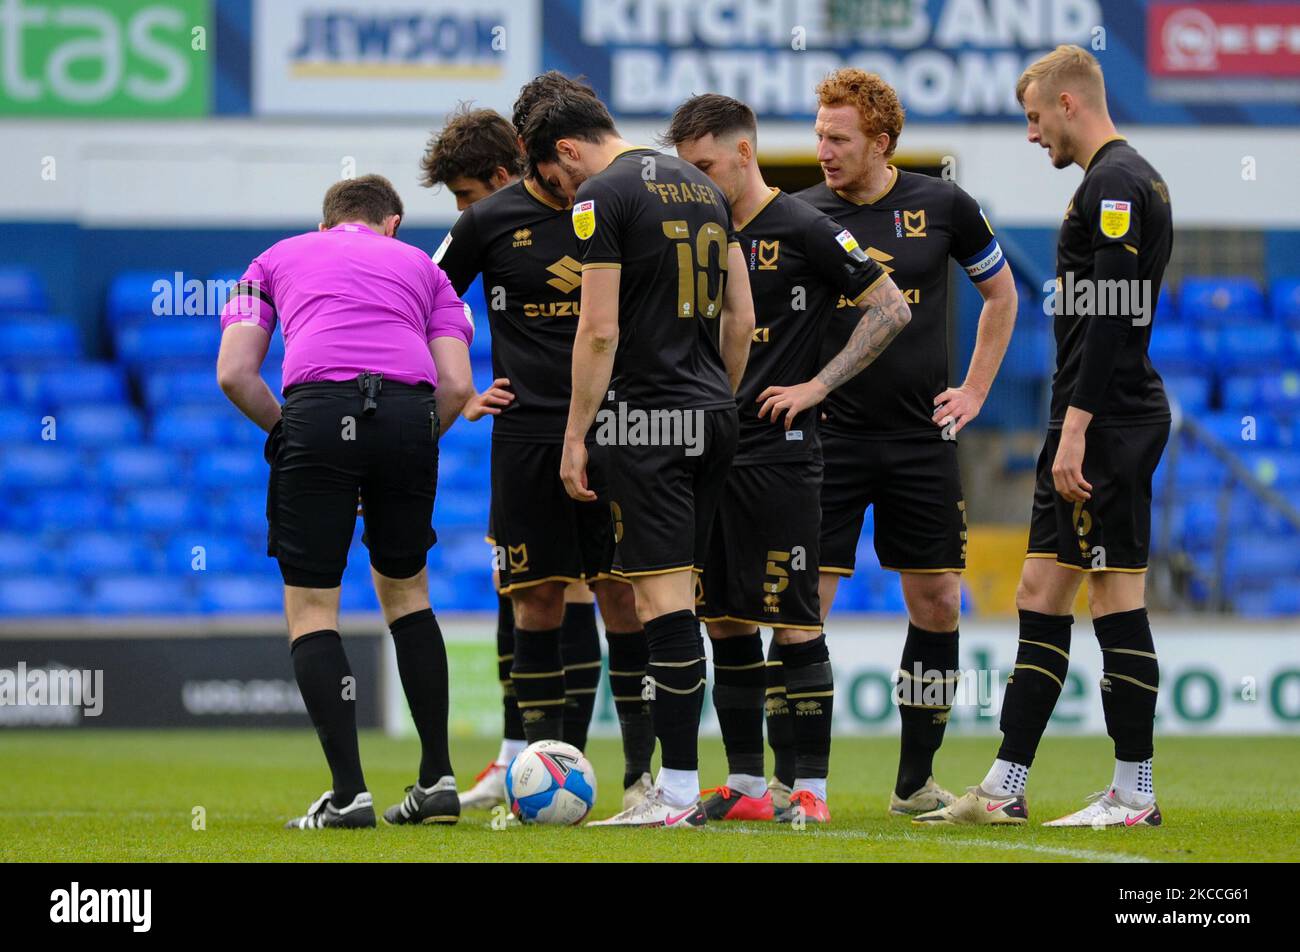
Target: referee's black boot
(323, 814)
(437, 804)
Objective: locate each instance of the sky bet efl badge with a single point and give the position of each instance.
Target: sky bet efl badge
(847, 241)
(1114, 218)
(584, 219)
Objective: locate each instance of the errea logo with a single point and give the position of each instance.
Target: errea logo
(523, 237)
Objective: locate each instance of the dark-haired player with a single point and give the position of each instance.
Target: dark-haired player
(520, 238)
(762, 564)
(662, 341)
(1109, 425)
(889, 437)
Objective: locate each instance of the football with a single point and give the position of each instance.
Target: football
(551, 782)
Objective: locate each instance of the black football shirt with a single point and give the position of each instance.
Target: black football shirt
(666, 226)
(800, 263)
(522, 242)
(1122, 200)
(911, 229)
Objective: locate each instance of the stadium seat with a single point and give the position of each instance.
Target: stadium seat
(29, 595)
(24, 337)
(456, 508)
(41, 465)
(1221, 300)
(243, 469)
(91, 554)
(204, 427)
(22, 553)
(1275, 468)
(1196, 469)
(1191, 391)
(233, 594)
(241, 511)
(196, 552)
(184, 338)
(140, 595)
(132, 294)
(1284, 298)
(159, 510)
(106, 425)
(71, 383)
(1167, 311)
(132, 467)
(1175, 348)
(21, 425)
(171, 387)
(1242, 347)
(1251, 559)
(21, 289)
(66, 509)
(1270, 392)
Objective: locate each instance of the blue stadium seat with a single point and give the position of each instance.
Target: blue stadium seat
(1276, 468)
(226, 593)
(1254, 560)
(461, 509)
(241, 511)
(59, 385)
(159, 510)
(82, 509)
(1271, 392)
(40, 595)
(1031, 349)
(24, 337)
(1284, 297)
(91, 554)
(205, 427)
(198, 552)
(41, 465)
(132, 467)
(468, 590)
(184, 338)
(1245, 347)
(1221, 300)
(141, 595)
(105, 425)
(1285, 596)
(1191, 391)
(1196, 470)
(1176, 349)
(243, 469)
(132, 294)
(21, 289)
(171, 387)
(21, 425)
(358, 594)
(23, 553)
(1167, 311)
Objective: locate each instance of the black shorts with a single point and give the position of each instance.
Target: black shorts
(539, 532)
(324, 453)
(663, 501)
(763, 556)
(1112, 530)
(915, 487)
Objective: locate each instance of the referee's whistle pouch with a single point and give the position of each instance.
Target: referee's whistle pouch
(370, 386)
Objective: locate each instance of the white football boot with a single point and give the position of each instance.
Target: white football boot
(640, 789)
(1107, 808)
(488, 791)
(930, 797)
(656, 812)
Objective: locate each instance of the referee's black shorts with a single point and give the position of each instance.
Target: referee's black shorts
(325, 452)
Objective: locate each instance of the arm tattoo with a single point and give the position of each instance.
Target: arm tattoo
(885, 314)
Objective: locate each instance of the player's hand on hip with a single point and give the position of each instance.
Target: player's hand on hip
(956, 407)
(790, 400)
(573, 471)
(490, 402)
(1067, 469)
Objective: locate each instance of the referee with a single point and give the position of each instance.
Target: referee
(376, 354)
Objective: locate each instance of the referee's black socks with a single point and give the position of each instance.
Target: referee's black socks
(676, 678)
(324, 677)
(628, 655)
(739, 685)
(422, 666)
(1042, 662)
(538, 674)
(926, 686)
(580, 652)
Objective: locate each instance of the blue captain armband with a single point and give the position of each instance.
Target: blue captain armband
(985, 264)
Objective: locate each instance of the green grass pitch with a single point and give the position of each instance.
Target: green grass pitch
(130, 796)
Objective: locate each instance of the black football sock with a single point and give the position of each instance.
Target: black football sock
(538, 674)
(780, 725)
(422, 667)
(1042, 662)
(628, 655)
(580, 651)
(925, 691)
(810, 694)
(677, 676)
(513, 726)
(739, 685)
(1130, 680)
(324, 677)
